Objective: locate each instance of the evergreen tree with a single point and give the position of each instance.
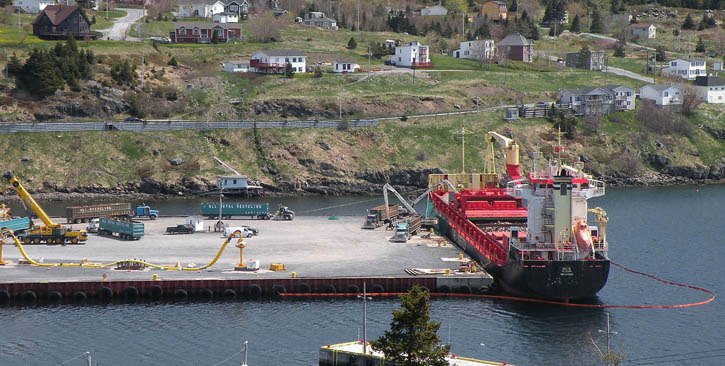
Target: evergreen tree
(597, 23)
(173, 62)
(214, 38)
(412, 339)
(39, 76)
(576, 24)
(318, 72)
(583, 58)
(289, 72)
(700, 45)
(352, 44)
(14, 66)
(535, 33)
(124, 73)
(619, 50)
(688, 24)
(661, 53)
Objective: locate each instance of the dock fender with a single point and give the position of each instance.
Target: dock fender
(378, 288)
(4, 296)
(79, 296)
(29, 296)
(55, 296)
(425, 288)
(464, 289)
(444, 289)
(254, 291)
(329, 289)
(130, 293)
(278, 289)
(180, 294)
(229, 294)
(105, 293)
(206, 293)
(304, 288)
(155, 292)
(483, 290)
(353, 289)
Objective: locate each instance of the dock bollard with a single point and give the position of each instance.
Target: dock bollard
(293, 274)
(104, 278)
(155, 277)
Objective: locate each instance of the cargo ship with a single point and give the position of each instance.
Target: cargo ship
(532, 234)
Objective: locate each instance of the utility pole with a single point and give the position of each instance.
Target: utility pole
(89, 361)
(358, 17)
(246, 344)
(370, 64)
(365, 298)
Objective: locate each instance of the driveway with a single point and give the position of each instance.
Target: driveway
(121, 27)
(633, 45)
(629, 74)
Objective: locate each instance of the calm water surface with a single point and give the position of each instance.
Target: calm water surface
(674, 233)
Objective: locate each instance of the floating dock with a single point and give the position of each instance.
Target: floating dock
(351, 354)
(320, 257)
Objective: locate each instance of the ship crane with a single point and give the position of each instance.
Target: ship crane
(513, 169)
(409, 206)
(602, 219)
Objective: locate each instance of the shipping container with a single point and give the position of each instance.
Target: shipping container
(243, 209)
(17, 225)
(124, 229)
(77, 214)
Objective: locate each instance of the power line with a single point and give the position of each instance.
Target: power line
(74, 358)
(228, 358)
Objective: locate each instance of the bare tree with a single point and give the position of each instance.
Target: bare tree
(690, 101)
(265, 27)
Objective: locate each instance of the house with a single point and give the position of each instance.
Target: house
(205, 32)
(711, 89)
(239, 7)
(275, 61)
(482, 49)
(63, 21)
(643, 30)
(686, 69)
(238, 184)
(235, 66)
(33, 6)
(598, 100)
(435, 10)
(318, 19)
(390, 43)
(225, 17)
(516, 47)
(662, 94)
(413, 55)
(200, 8)
(495, 10)
(595, 62)
(345, 66)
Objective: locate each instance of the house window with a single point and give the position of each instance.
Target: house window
(195, 31)
(667, 94)
(182, 30)
(219, 32)
(629, 94)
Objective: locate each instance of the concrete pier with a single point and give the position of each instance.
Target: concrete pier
(319, 256)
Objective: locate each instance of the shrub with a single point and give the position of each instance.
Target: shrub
(172, 62)
(352, 44)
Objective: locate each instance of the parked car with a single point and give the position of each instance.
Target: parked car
(133, 119)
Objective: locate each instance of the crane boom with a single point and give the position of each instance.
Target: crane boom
(28, 199)
(387, 187)
(513, 167)
(226, 165)
(435, 186)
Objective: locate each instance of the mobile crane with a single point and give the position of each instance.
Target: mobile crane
(51, 233)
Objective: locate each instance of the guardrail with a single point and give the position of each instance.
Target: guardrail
(170, 125)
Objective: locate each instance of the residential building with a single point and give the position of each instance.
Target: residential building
(686, 69)
(225, 17)
(61, 22)
(238, 184)
(239, 7)
(236, 66)
(711, 89)
(495, 10)
(662, 94)
(413, 55)
(643, 30)
(435, 10)
(598, 100)
(318, 19)
(481, 49)
(516, 47)
(345, 66)
(200, 8)
(595, 61)
(275, 61)
(34, 6)
(205, 32)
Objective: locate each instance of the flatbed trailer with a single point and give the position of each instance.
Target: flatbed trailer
(78, 214)
(124, 229)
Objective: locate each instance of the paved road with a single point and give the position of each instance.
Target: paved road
(121, 27)
(629, 74)
(600, 36)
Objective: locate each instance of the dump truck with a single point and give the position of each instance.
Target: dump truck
(406, 228)
(245, 209)
(78, 214)
(18, 225)
(377, 216)
(124, 229)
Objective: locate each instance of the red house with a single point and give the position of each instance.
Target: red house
(205, 32)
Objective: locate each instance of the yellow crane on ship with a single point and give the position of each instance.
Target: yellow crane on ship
(51, 232)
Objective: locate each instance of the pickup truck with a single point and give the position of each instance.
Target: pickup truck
(180, 229)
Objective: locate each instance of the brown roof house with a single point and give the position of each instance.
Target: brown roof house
(516, 47)
(63, 21)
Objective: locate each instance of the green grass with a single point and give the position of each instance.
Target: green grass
(103, 21)
(152, 28)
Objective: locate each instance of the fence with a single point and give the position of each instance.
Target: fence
(176, 125)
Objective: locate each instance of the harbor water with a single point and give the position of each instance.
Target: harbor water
(675, 233)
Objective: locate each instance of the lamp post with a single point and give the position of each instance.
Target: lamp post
(246, 344)
(365, 298)
(220, 225)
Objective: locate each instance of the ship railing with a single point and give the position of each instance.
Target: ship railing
(514, 186)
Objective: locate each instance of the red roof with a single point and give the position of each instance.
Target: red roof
(57, 14)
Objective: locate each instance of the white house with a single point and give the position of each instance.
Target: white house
(413, 55)
(643, 30)
(345, 66)
(225, 17)
(435, 10)
(231, 184)
(711, 89)
(236, 66)
(34, 6)
(275, 61)
(200, 8)
(662, 94)
(598, 100)
(686, 69)
(482, 49)
(318, 19)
